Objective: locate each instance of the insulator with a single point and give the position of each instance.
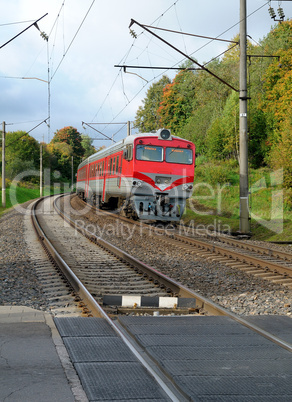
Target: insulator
(272, 12)
(281, 13)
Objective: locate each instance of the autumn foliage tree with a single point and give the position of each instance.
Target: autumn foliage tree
(66, 143)
(200, 108)
(147, 116)
(177, 101)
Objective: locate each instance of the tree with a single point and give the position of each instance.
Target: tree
(72, 137)
(63, 154)
(281, 157)
(22, 153)
(207, 106)
(200, 108)
(276, 100)
(86, 143)
(177, 102)
(147, 118)
(61, 158)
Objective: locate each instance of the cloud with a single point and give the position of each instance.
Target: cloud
(86, 84)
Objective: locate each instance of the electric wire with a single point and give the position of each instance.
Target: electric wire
(27, 132)
(125, 57)
(181, 61)
(74, 37)
(15, 23)
(183, 38)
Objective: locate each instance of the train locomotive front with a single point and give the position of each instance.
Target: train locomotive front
(146, 176)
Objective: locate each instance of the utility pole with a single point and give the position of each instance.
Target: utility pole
(41, 170)
(244, 222)
(72, 173)
(3, 167)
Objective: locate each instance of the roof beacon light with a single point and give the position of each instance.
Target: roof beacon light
(164, 134)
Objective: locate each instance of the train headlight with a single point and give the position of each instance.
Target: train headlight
(137, 183)
(187, 187)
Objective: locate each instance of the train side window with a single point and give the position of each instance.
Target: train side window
(117, 165)
(102, 170)
(82, 174)
(91, 172)
(110, 168)
(114, 166)
(128, 152)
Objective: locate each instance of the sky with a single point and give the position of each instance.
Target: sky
(72, 78)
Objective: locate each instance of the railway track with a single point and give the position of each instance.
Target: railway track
(263, 262)
(89, 288)
(104, 270)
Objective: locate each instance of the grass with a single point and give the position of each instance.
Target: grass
(215, 202)
(22, 193)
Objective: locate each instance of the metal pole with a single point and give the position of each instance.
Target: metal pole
(3, 167)
(72, 173)
(128, 128)
(41, 170)
(34, 23)
(244, 224)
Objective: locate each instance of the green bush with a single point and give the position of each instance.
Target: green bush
(214, 174)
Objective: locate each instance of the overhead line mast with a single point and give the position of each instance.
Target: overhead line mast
(244, 219)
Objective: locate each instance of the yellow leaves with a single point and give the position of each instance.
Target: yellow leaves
(61, 148)
(281, 155)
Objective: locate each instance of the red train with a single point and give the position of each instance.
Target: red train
(147, 176)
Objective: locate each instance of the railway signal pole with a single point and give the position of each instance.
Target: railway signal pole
(244, 220)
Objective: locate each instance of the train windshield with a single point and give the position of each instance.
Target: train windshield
(179, 155)
(149, 153)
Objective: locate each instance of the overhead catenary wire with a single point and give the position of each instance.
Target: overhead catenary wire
(74, 37)
(16, 23)
(209, 42)
(26, 132)
(125, 58)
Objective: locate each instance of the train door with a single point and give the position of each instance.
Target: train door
(104, 175)
(87, 195)
(119, 170)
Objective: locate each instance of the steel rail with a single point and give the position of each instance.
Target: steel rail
(255, 261)
(68, 273)
(285, 256)
(218, 250)
(253, 247)
(96, 310)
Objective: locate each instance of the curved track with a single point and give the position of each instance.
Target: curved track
(271, 264)
(56, 231)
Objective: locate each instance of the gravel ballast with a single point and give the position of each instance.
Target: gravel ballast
(18, 280)
(233, 289)
(240, 293)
